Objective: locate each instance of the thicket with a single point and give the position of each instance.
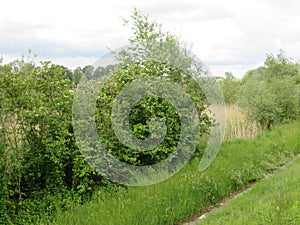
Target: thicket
(40, 162)
(147, 109)
(268, 94)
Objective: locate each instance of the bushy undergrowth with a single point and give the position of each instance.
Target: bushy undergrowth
(40, 164)
(190, 191)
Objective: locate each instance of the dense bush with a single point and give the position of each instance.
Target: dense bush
(147, 109)
(39, 156)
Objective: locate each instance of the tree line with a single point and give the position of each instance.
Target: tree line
(269, 94)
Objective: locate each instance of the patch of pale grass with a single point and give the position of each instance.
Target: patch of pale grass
(238, 125)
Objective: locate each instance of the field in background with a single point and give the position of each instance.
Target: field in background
(238, 125)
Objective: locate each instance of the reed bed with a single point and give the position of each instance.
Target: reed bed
(238, 126)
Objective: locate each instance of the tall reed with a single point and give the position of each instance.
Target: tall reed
(238, 125)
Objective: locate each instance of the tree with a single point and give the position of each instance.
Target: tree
(285, 99)
(257, 100)
(283, 74)
(77, 75)
(281, 66)
(257, 74)
(230, 88)
(151, 52)
(145, 110)
(269, 93)
(88, 71)
(150, 42)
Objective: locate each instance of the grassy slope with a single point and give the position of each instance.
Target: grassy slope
(275, 200)
(190, 191)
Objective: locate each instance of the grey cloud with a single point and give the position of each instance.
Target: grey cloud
(18, 30)
(159, 7)
(167, 7)
(18, 37)
(291, 7)
(182, 11)
(189, 12)
(259, 36)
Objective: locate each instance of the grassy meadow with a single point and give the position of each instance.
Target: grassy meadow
(190, 192)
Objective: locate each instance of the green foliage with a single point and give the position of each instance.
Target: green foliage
(77, 75)
(230, 88)
(285, 98)
(258, 100)
(39, 156)
(257, 74)
(150, 42)
(151, 52)
(269, 94)
(145, 110)
(90, 73)
(281, 66)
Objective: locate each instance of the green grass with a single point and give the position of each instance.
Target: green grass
(189, 191)
(275, 200)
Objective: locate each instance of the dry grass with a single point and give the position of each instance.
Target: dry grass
(238, 126)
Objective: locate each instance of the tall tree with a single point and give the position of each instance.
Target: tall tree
(151, 42)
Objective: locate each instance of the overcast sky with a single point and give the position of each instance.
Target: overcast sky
(228, 35)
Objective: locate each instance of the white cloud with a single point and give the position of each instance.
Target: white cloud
(226, 35)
